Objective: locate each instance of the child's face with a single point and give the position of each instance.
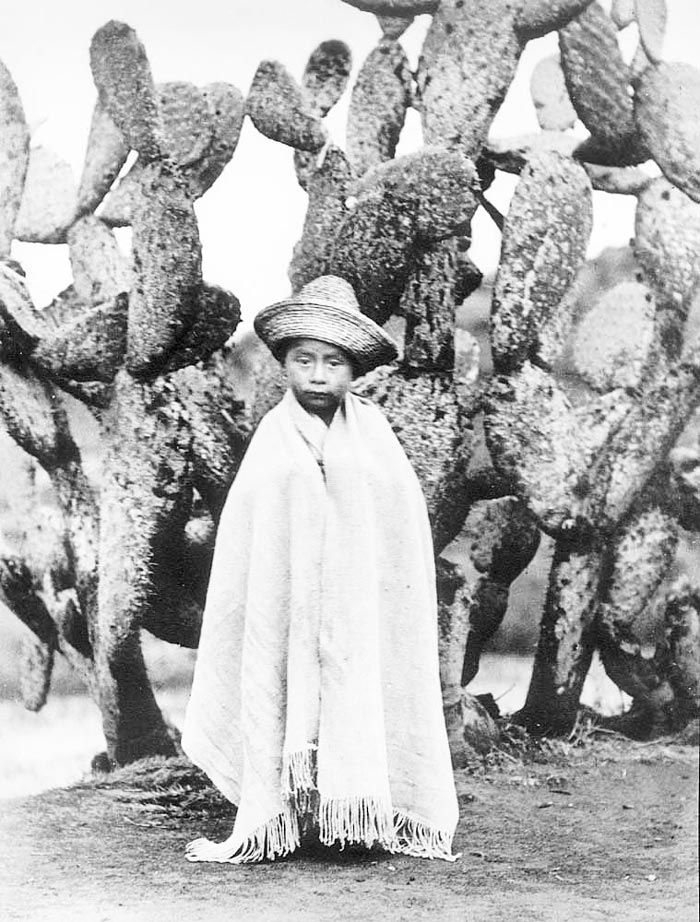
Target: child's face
(319, 375)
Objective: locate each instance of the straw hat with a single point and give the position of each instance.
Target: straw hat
(326, 309)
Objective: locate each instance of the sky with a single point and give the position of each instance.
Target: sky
(252, 216)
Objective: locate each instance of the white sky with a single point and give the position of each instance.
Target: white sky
(253, 214)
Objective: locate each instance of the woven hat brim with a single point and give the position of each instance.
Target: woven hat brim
(352, 331)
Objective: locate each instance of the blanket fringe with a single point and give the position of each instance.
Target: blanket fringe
(352, 820)
(275, 839)
(412, 837)
(299, 772)
(347, 820)
(299, 785)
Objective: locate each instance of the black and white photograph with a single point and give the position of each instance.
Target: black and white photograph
(349, 460)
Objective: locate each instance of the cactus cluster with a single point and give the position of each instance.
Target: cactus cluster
(587, 465)
(573, 436)
(141, 341)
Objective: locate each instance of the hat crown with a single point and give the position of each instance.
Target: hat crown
(326, 309)
(330, 289)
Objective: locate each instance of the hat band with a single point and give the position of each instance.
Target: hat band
(348, 330)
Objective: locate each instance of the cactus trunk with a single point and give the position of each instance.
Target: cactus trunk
(567, 639)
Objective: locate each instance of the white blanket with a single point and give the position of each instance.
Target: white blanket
(316, 694)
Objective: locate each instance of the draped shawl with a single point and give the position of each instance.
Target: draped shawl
(316, 692)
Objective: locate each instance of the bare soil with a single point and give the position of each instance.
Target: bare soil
(603, 830)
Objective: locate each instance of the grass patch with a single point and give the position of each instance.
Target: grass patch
(164, 785)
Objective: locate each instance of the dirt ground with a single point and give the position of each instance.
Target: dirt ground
(606, 830)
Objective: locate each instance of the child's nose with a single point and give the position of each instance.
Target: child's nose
(319, 372)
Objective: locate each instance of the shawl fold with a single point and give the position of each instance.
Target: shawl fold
(316, 697)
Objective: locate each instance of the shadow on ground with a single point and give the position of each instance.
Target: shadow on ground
(604, 830)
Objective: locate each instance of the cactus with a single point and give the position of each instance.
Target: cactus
(549, 94)
(503, 539)
(524, 298)
(14, 158)
(276, 106)
(666, 241)
(469, 59)
(328, 187)
(325, 77)
(415, 198)
(467, 63)
(393, 27)
(651, 19)
(574, 470)
(395, 7)
(622, 13)
(598, 81)
(135, 342)
(380, 98)
(573, 436)
(49, 199)
(122, 75)
(105, 156)
(666, 105)
(627, 313)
